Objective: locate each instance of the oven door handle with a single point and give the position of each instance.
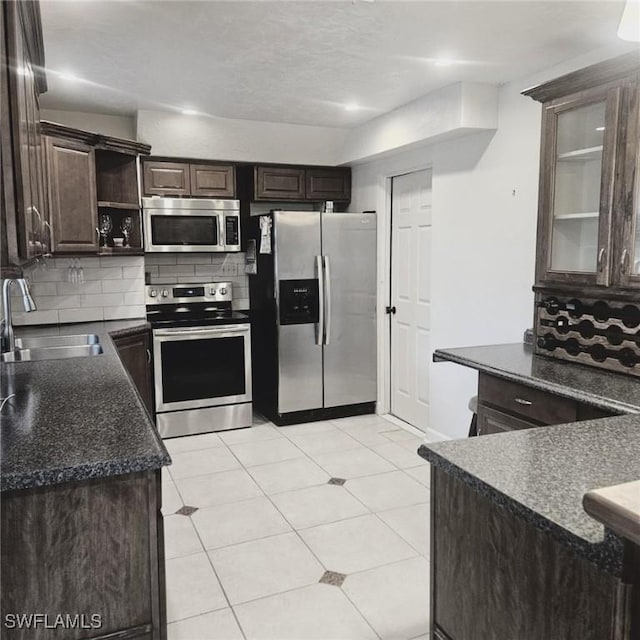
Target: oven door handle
(199, 331)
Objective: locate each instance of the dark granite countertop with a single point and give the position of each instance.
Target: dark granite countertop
(611, 391)
(76, 418)
(543, 474)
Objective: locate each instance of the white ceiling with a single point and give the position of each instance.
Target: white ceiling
(301, 62)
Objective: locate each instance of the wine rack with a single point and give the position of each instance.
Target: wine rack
(599, 333)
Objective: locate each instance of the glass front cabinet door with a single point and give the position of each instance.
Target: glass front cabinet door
(579, 147)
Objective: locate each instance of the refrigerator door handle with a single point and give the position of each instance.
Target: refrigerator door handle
(320, 325)
(327, 300)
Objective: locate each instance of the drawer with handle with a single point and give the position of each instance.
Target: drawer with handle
(527, 402)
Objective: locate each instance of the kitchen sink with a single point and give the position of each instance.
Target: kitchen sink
(52, 353)
(57, 341)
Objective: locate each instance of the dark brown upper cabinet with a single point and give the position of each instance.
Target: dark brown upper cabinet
(279, 183)
(73, 204)
(588, 212)
(328, 184)
(302, 184)
(212, 181)
(166, 179)
(24, 225)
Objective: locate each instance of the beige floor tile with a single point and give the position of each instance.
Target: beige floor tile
(227, 524)
(398, 434)
(370, 434)
(353, 463)
(288, 475)
(263, 567)
(315, 443)
(396, 454)
(317, 612)
(171, 500)
(356, 544)
(203, 462)
(192, 443)
(259, 433)
(192, 587)
(307, 428)
(412, 444)
(394, 599)
(421, 473)
(369, 418)
(180, 538)
(318, 505)
(387, 490)
(217, 488)
(218, 625)
(265, 452)
(412, 524)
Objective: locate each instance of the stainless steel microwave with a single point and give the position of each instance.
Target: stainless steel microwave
(190, 224)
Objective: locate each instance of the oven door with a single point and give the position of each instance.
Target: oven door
(199, 367)
(183, 230)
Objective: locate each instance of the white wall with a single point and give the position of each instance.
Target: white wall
(110, 125)
(484, 224)
(174, 134)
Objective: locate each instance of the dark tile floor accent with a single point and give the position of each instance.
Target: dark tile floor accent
(339, 481)
(186, 510)
(333, 578)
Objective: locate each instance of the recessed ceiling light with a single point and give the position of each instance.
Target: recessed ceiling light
(352, 106)
(443, 62)
(189, 112)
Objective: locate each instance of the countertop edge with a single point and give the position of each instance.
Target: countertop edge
(606, 554)
(561, 390)
(601, 504)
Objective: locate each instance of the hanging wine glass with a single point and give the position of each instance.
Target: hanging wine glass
(127, 228)
(106, 224)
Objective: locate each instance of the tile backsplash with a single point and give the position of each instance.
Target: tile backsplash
(113, 288)
(175, 268)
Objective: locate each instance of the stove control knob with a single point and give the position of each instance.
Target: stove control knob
(223, 291)
(212, 292)
(153, 293)
(165, 293)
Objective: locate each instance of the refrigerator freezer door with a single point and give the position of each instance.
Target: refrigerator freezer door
(349, 247)
(297, 243)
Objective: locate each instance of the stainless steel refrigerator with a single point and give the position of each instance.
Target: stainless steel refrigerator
(313, 304)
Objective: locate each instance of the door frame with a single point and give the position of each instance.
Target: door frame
(385, 183)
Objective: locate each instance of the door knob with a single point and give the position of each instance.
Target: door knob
(390, 310)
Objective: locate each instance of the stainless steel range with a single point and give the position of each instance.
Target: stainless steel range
(202, 358)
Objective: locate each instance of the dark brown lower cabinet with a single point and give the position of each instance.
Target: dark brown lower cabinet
(496, 577)
(88, 548)
(135, 352)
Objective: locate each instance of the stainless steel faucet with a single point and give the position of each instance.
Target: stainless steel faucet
(8, 341)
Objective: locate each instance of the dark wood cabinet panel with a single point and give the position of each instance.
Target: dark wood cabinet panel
(328, 184)
(492, 421)
(166, 178)
(525, 401)
(212, 181)
(135, 353)
(88, 547)
(73, 205)
(279, 183)
(497, 577)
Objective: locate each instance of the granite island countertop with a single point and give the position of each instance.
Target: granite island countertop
(542, 474)
(516, 362)
(76, 418)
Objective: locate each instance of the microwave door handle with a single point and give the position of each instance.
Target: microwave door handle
(320, 325)
(327, 302)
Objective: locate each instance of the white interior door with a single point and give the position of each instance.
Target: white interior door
(411, 297)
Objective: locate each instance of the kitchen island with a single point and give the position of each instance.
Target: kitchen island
(82, 531)
(514, 554)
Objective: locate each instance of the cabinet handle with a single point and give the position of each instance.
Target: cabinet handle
(624, 262)
(148, 356)
(526, 403)
(98, 234)
(601, 259)
(50, 246)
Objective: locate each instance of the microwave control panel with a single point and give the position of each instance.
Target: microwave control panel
(231, 230)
